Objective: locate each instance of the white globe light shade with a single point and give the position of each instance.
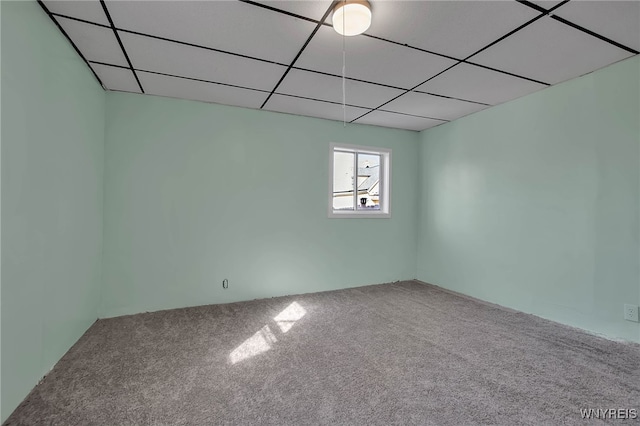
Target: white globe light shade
(352, 17)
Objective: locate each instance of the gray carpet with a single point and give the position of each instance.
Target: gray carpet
(402, 353)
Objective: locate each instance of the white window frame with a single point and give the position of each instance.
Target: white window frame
(385, 182)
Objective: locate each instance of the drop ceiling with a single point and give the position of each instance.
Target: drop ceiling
(420, 64)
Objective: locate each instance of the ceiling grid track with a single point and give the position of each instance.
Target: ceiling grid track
(284, 12)
(55, 16)
(576, 26)
(124, 51)
(540, 9)
(591, 33)
(510, 33)
(304, 46)
(256, 90)
(199, 46)
(387, 41)
(465, 60)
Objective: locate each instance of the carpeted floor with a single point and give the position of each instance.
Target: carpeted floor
(402, 353)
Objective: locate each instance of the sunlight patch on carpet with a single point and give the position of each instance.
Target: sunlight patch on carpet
(254, 345)
(264, 338)
(289, 316)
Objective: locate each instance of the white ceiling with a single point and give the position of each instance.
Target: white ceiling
(420, 64)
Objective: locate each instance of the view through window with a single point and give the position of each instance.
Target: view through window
(360, 177)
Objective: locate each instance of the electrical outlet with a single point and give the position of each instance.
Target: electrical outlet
(631, 313)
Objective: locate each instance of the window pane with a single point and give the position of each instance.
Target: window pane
(343, 180)
(369, 182)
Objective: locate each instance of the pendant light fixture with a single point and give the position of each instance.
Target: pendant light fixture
(351, 17)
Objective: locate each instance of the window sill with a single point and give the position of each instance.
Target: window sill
(359, 215)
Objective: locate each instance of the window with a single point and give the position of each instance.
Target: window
(359, 181)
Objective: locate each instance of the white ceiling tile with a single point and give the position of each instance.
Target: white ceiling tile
(174, 87)
(227, 25)
(551, 52)
(115, 78)
(329, 88)
(313, 9)
(455, 28)
(547, 4)
(187, 61)
(398, 121)
(370, 59)
(89, 10)
(432, 106)
(478, 84)
(547, 50)
(298, 106)
(616, 20)
(95, 43)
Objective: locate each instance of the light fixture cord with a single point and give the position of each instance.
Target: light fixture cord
(344, 71)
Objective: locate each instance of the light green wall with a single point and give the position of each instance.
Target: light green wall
(52, 162)
(534, 204)
(195, 193)
(2, 417)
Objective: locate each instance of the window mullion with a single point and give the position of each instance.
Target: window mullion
(381, 186)
(355, 182)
